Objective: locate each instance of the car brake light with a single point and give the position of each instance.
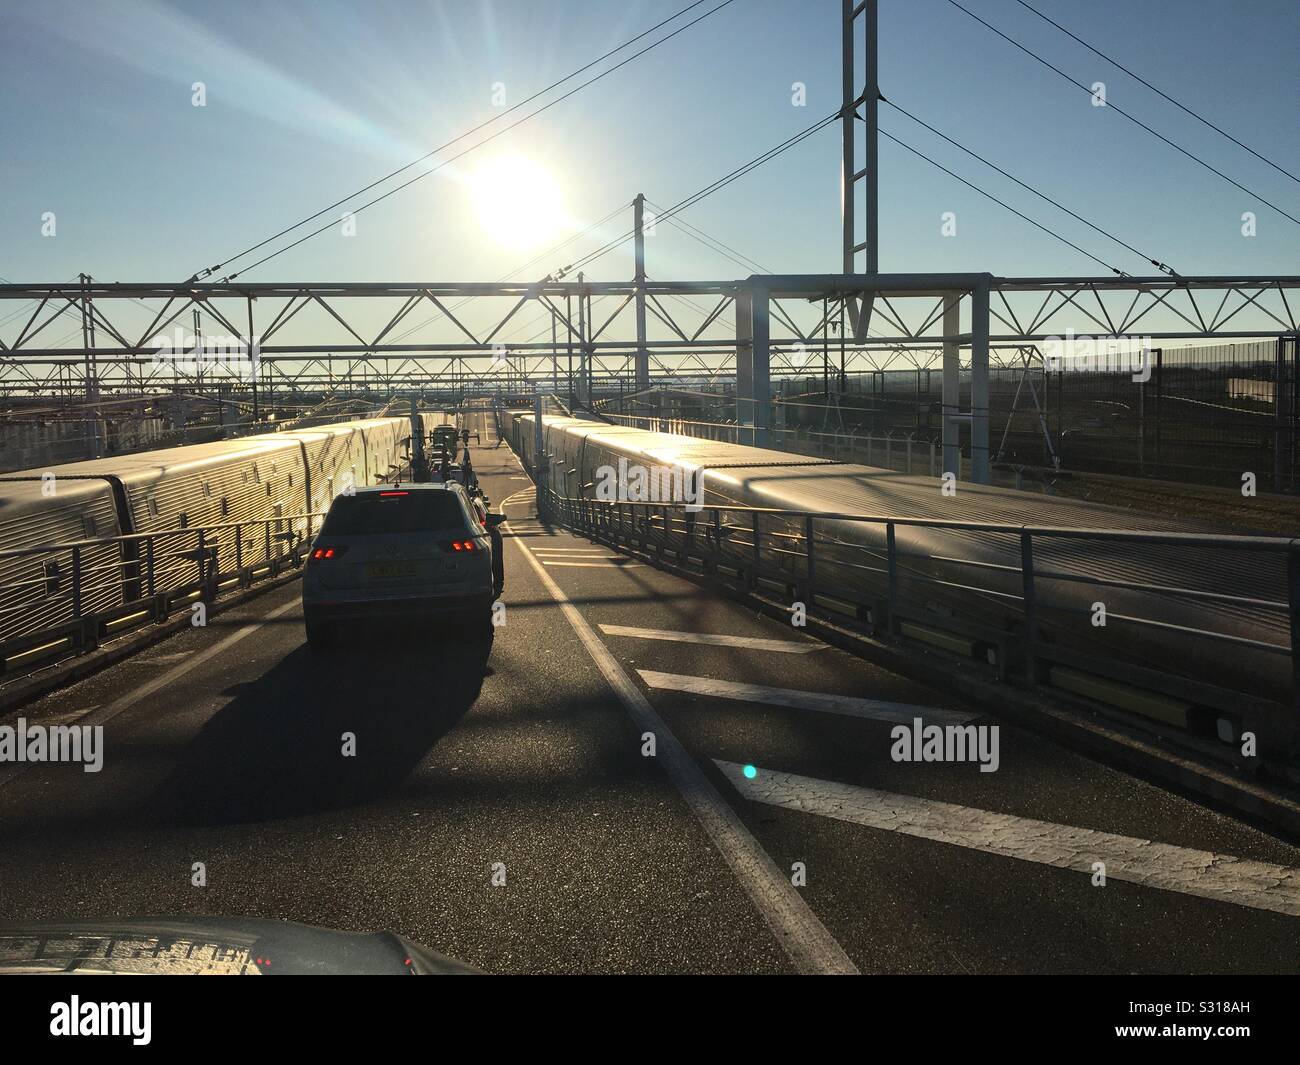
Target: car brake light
(386, 495)
(454, 546)
(321, 554)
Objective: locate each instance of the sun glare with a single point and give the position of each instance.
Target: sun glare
(519, 201)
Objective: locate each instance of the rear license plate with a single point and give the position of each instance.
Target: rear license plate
(387, 571)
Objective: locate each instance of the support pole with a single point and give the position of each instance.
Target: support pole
(951, 396)
(92, 369)
(744, 357)
(642, 353)
(868, 100)
(568, 331)
(254, 360)
(555, 369)
(539, 463)
(584, 371)
(981, 468)
(760, 391)
(871, 137)
(848, 138)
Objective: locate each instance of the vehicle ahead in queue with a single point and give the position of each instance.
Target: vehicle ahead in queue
(411, 552)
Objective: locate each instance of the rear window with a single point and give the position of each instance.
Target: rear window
(396, 512)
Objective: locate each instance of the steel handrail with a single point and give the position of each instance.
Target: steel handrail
(103, 541)
(661, 521)
(1263, 543)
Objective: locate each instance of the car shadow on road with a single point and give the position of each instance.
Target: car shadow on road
(323, 731)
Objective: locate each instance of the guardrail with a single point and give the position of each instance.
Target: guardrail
(899, 451)
(890, 592)
(909, 453)
(78, 593)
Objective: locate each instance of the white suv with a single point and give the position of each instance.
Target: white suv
(412, 552)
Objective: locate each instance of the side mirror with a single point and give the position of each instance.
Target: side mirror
(493, 520)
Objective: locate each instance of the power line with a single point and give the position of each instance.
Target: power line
(716, 243)
(1137, 77)
(1041, 195)
(713, 187)
(518, 270)
(1002, 203)
(704, 238)
(1119, 110)
(213, 269)
(477, 145)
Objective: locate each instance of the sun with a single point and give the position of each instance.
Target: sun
(519, 202)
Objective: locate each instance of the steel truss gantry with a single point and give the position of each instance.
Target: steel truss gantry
(345, 336)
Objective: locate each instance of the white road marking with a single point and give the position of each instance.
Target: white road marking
(105, 714)
(848, 705)
(563, 555)
(563, 550)
(1259, 885)
(713, 639)
(810, 947)
(608, 564)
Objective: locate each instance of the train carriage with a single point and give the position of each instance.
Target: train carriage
(969, 577)
(271, 477)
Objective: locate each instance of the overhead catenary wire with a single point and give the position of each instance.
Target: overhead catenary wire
(519, 269)
(1002, 203)
(694, 198)
(712, 187)
(709, 240)
(1159, 92)
(1132, 118)
(470, 132)
(1159, 265)
(735, 256)
(460, 155)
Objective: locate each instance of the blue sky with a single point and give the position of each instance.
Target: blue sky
(308, 100)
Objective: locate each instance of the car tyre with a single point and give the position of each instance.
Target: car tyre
(320, 635)
(479, 627)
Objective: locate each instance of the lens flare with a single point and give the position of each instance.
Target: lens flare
(519, 202)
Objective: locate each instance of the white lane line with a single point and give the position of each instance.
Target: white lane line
(810, 947)
(125, 702)
(609, 564)
(561, 554)
(104, 714)
(847, 705)
(754, 643)
(562, 550)
(1259, 885)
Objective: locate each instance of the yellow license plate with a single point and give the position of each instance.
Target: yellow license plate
(391, 570)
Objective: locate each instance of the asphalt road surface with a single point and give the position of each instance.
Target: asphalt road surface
(634, 776)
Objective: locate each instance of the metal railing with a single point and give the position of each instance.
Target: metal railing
(65, 598)
(1174, 641)
(893, 450)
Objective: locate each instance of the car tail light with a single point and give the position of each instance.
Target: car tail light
(323, 554)
(453, 547)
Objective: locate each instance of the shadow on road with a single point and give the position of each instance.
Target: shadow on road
(281, 747)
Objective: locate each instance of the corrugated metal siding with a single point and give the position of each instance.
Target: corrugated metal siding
(79, 509)
(781, 481)
(252, 478)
